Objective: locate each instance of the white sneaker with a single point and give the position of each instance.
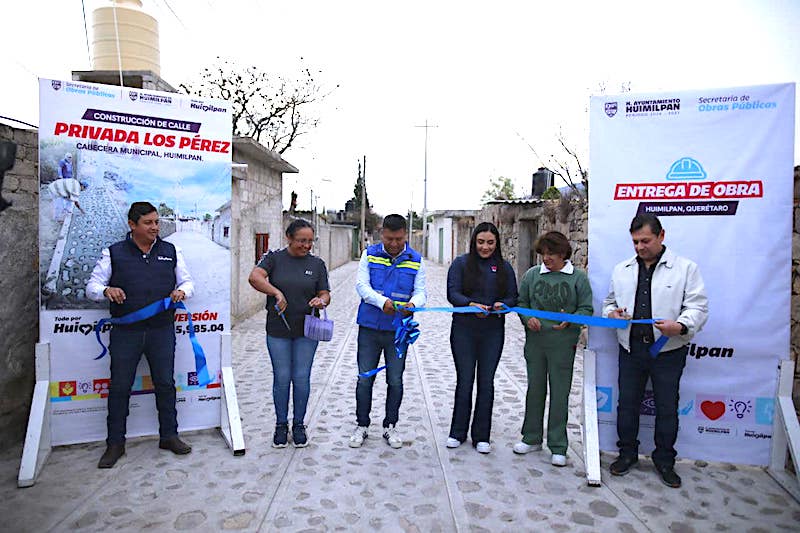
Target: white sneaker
(453, 443)
(358, 436)
(392, 437)
(558, 460)
(522, 448)
(483, 447)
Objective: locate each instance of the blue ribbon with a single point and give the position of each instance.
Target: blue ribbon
(656, 347)
(407, 330)
(150, 311)
(594, 321)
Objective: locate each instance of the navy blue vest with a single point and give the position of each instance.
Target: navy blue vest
(145, 278)
(393, 279)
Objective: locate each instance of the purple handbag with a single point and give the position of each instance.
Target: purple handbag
(318, 328)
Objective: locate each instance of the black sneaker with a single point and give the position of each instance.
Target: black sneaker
(622, 465)
(669, 477)
(281, 436)
(299, 436)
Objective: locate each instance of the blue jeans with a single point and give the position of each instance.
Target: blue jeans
(665, 373)
(475, 346)
(291, 364)
(126, 348)
(371, 342)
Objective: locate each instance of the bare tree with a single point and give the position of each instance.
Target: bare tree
(271, 109)
(567, 165)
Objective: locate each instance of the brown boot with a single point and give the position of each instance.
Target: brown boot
(175, 445)
(111, 455)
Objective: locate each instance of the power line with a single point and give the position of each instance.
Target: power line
(86, 33)
(174, 14)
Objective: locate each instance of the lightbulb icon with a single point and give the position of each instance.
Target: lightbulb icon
(740, 407)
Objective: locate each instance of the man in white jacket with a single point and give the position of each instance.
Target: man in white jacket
(655, 283)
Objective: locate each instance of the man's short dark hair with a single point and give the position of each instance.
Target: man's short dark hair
(554, 242)
(140, 209)
(394, 222)
(646, 219)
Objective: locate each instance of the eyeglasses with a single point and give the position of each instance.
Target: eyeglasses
(303, 241)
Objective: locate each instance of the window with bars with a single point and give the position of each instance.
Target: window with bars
(262, 245)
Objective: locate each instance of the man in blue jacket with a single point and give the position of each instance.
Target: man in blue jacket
(132, 274)
(391, 276)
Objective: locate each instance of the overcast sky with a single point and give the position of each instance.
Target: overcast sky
(481, 72)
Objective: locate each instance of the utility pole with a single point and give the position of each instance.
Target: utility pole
(425, 197)
(314, 215)
(411, 220)
(363, 178)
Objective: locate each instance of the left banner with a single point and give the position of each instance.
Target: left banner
(100, 149)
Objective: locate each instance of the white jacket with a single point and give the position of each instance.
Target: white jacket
(678, 293)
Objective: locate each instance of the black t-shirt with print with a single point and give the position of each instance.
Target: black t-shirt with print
(299, 279)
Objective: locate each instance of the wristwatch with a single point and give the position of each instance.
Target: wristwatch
(684, 328)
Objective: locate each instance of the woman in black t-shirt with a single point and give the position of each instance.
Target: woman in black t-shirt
(295, 283)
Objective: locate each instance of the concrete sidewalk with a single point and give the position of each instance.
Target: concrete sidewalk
(420, 487)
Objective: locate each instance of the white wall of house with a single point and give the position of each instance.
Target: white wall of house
(440, 240)
(222, 227)
(334, 244)
(256, 208)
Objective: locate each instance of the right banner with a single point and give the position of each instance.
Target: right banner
(716, 167)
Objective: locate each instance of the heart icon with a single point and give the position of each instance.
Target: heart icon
(713, 410)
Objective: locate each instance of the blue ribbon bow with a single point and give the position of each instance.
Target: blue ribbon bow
(150, 311)
(406, 333)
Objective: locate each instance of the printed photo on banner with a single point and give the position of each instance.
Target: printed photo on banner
(85, 194)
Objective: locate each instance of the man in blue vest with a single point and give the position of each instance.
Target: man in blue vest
(391, 277)
(132, 274)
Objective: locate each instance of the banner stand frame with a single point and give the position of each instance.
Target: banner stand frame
(38, 443)
(589, 428)
(230, 421)
(785, 433)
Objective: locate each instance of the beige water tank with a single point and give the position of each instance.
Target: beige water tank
(138, 37)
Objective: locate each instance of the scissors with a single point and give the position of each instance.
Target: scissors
(280, 314)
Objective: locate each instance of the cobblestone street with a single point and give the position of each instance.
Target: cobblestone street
(421, 487)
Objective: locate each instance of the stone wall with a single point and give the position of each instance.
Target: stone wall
(520, 224)
(795, 312)
(19, 315)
